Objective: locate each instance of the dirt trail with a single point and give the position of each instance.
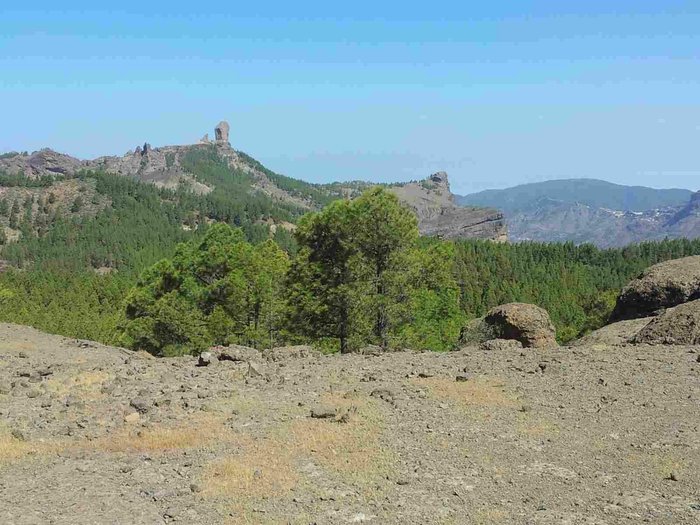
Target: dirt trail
(96, 435)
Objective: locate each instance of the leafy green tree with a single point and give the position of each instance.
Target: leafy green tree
(323, 284)
(220, 289)
(384, 231)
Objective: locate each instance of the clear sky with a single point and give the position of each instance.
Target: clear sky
(496, 93)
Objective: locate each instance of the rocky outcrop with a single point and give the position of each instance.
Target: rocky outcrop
(42, 163)
(676, 326)
(221, 132)
(659, 287)
(615, 334)
(526, 323)
(439, 216)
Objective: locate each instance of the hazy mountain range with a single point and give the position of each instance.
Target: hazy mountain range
(595, 211)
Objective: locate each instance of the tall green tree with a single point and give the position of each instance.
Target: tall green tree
(323, 279)
(384, 231)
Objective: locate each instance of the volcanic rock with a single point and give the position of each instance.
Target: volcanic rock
(661, 286)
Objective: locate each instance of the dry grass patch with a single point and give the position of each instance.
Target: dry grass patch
(13, 449)
(198, 432)
(477, 392)
(84, 385)
(274, 465)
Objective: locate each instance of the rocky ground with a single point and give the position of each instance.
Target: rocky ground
(583, 435)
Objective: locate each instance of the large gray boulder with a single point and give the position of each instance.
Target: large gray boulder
(676, 326)
(523, 322)
(661, 286)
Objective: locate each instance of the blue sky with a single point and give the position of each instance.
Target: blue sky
(495, 93)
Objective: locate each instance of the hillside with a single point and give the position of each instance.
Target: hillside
(592, 434)
(589, 192)
(213, 172)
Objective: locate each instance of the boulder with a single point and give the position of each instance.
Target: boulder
(676, 326)
(526, 323)
(615, 334)
(661, 286)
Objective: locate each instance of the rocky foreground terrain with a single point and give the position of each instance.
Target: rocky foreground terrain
(582, 435)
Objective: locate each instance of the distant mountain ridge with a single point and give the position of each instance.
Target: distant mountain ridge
(213, 168)
(590, 192)
(593, 211)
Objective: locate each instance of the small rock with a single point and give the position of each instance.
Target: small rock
(254, 370)
(5, 388)
(22, 355)
(140, 404)
(196, 488)
(323, 413)
(133, 417)
(19, 434)
(33, 393)
(462, 378)
(205, 359)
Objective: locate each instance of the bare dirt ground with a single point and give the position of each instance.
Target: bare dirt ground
(585, 435)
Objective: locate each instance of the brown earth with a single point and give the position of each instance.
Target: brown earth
(586, 435)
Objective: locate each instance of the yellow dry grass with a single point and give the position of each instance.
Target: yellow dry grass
(274, 465)
(198, 432)
(477, 392)
(84, 385)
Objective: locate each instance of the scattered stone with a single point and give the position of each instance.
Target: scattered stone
(23, 355)
(33, 393)
(323, 412)
(384, 394)
(205, 359)
(18, 434)
(500, 345)
(140, 404)
(196, 488)
(254, 370)
(462, 378)
(132, 417)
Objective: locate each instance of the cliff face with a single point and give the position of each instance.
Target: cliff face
(439, 216)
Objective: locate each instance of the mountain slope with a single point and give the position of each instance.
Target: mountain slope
(211, 180)
(590, 192)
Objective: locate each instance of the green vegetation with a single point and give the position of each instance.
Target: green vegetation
(217, 290)
(170, 271)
